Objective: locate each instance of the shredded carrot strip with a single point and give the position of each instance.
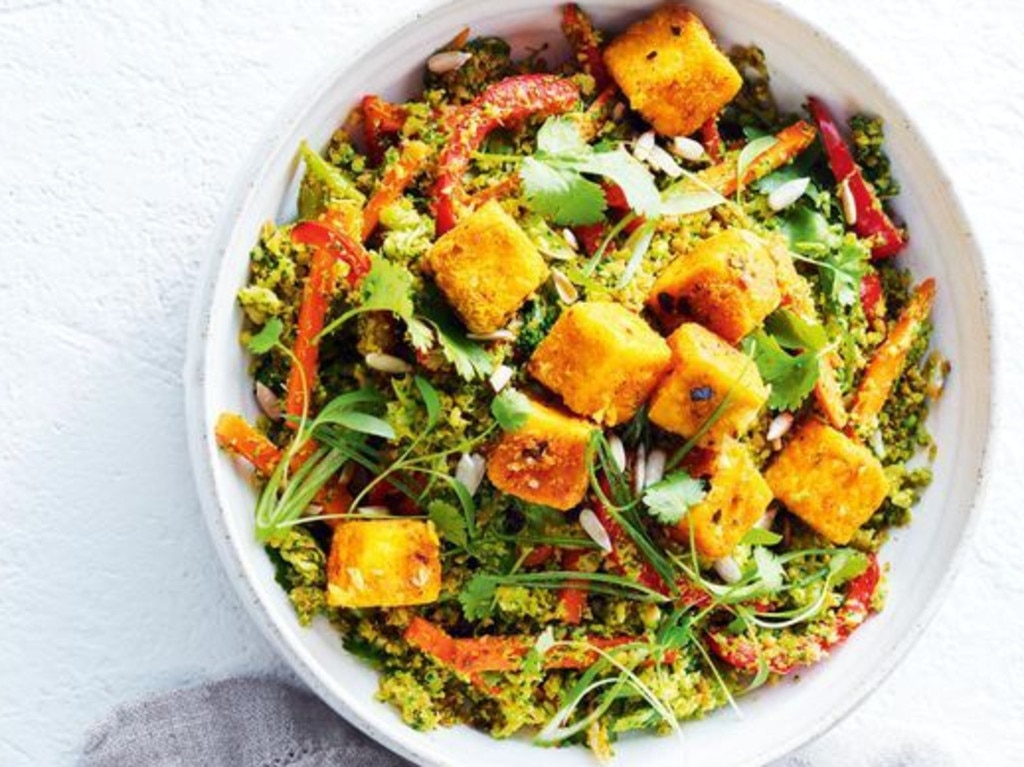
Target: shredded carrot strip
(395, 181)
(791, 141)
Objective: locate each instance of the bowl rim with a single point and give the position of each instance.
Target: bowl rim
(199, 437)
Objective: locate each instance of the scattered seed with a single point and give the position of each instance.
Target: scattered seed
(687, 148)
(570, 238)
(470, 471)
(640, 469)
(533, 484)
(849, 204)
(503, 334)
(655, 468)
(564, 288)
(592, 526)
(618, 111)
(447, 61)
(356, 576)
(642, 146)
(766, 521)
(661, 160)
(269, 402)
(420, 577)
(783, 196)
(728, 570)
(618, 451)
(386, 363)
(779, 426)
(877, 445)
(500, 377)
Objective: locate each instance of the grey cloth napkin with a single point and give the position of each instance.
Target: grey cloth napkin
(267, 723)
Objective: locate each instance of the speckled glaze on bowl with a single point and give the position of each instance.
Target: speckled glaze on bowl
(923, 557)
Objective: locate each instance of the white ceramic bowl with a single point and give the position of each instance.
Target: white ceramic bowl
(923, 557)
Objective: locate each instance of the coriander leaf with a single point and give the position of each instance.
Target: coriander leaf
(793, 332)
(630, 174)
(802, 224)
(790, 377)
(769, 569)
(758, 537)
(670, 499)
(749, 155)
(846, 564)
(470, 359)
(388, 287)
(449, 522)
(511, 409)
(846, 266)
(264, 341)
(560, 136)
(431, 400)
(561, 193)
(420, 335)
(477, 597)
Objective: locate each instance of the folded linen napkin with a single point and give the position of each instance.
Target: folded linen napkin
(249, 722)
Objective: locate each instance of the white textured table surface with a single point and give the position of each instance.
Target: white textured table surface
(122, 126)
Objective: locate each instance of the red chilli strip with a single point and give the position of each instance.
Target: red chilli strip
(872, 221)
(583, 39)
(711, 139)
(871, 293)
(380, 118)
(504, 103)
(573, 596)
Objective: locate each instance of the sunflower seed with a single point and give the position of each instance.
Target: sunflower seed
(687, 148)
(779, 426)
(268, 402)
(728, 570)
(385, 363)
(640, 469)
(642, 146)
(447, 61)
(655, 468)
(592, 526)
(661, 160)
(848, 202)
(470, 471)
(766, 520)
(500, 377)
(618, 451)
(374, 511)
(783, 196)
(570, 238)
(564, 288)
(876, 443)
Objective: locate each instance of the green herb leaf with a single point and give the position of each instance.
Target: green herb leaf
(758, 537)
(560, 136)
(365, 424)
(431, 400)
(630, 174)
(388, 287)
(748, 156)
(847, 266)
(469, 358)
(793, 332)
(681, 200)
(846, 564)
(269, 335)
(790, 377)
(511, 409)
(336, 182)
(637, 245)
(449, 522)
(477, 597)
(561, 193)
(670, 499)
(769, 568)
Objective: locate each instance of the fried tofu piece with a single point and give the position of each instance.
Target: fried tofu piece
(486, 267)
(544, 461)
(671, 71)
(384, 563)
(602, 359)
(831, 482)
(705, 369)
(737, 499)
(726, 283)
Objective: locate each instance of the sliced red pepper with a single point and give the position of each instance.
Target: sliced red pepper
(539, 555)
(871, 293)
(574, 595)
(590, 236)
(327, 234)
(506, 102)
(742, 653)
(380, 118)
(395, 181)
(872, 222)
(711, 139)
(585, 43)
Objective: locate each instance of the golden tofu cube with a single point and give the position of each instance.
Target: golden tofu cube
(602, 359)
(726, 283)
(737, 499)
(671, 71)
(384, 563)
(545, 461)
(831, 482)
(705, 369)
(486, 267)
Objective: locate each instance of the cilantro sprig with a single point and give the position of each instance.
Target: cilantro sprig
(791, 376)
